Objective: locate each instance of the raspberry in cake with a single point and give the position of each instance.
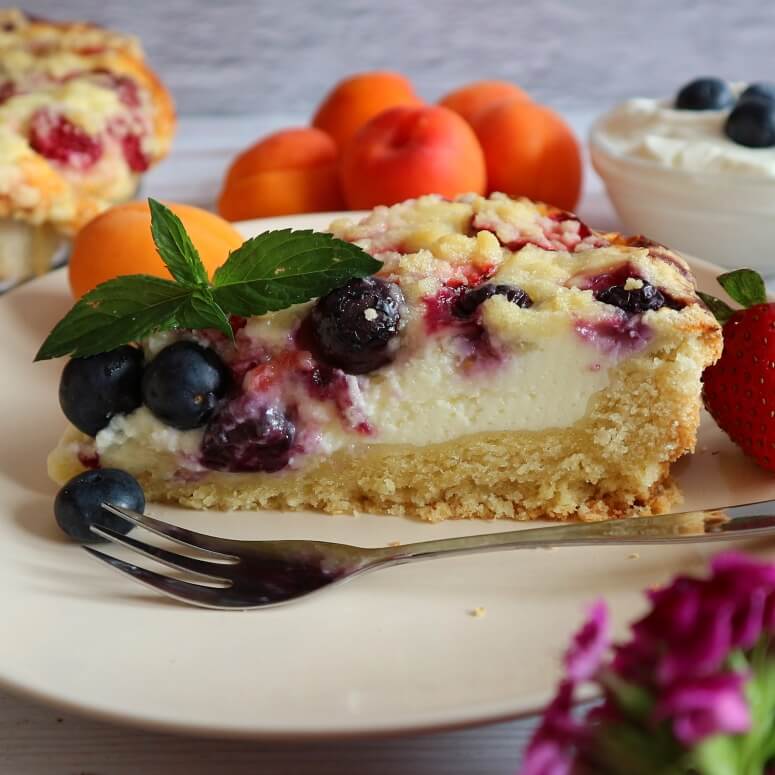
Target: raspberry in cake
(81, 117)
(506, 361)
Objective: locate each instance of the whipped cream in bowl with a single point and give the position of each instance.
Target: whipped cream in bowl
(675, 176)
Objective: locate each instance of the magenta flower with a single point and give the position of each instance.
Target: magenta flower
(551, 749)
(687, 674)
(589, 644)
(702, 707)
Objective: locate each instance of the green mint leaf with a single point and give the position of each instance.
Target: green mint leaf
(745, 286)
(201, 311)
(175, 246)
(720, 309)
(116, 312)
(280, 268)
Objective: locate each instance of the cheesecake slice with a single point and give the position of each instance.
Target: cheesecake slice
(506, 362)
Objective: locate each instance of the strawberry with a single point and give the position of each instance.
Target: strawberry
(739, 390)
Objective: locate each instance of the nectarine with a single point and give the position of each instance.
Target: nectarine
(530, 151)
(359, 98)
(471, 99)
(118, 242)
(409, 151)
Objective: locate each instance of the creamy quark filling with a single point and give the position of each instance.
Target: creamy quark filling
(426, 400)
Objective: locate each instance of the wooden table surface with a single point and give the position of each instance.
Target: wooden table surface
(37, 740)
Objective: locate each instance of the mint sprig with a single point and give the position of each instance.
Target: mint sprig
(267, 273)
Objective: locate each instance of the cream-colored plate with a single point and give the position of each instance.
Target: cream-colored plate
(390, 652)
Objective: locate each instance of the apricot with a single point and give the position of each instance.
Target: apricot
(282, 192)
(287, 148)
(118, 242)
(530, 151)
(405, 152)
(357, 99)
(471, 99)
(290, 171)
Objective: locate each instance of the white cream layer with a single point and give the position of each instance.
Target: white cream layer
(427, 399)
(690, 140)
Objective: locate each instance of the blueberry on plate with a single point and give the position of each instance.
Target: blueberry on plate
(353, 327)
(705, 94)
(758, 91)
(184, 384)
(92, 390)
(469, 301)
(78, 505)
(752, 123)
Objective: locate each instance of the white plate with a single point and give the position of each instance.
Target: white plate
(395, 651)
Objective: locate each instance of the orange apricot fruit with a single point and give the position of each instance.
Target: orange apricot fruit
(405, 152)
(471, 99)
(357, 99)
(291, 171)
(530, 151)
(118, 242)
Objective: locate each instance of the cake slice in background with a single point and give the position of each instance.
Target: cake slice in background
(82, 116)
(506, 361)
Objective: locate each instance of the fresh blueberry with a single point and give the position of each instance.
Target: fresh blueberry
(752, 123)
(79, 503)
(92, 390)
(705, 94)
(241, 441)
(184, 383)
(758, 91)
(633, 301)
(468, 301)
(353, 327)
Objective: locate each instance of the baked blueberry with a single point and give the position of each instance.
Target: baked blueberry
(354, 327)
(184, 384)
(468, 301)
(78, 505)
(635, 300)
(752, 123)
(758, 91)
(238, 441)
(705, 94)
(92, 390)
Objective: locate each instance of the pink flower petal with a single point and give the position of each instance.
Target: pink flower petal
(707, 706)
(585, 654)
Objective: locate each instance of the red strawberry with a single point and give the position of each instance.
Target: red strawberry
(739, 390)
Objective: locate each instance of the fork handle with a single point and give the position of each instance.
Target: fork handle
(685, 527)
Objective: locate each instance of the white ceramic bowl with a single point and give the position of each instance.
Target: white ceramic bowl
(721, 217)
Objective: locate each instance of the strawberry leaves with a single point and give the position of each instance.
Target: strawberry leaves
(270, 272)
(745, 286)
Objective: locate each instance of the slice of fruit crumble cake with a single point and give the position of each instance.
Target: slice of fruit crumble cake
(506, 361)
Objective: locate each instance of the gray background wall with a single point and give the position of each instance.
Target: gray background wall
(238, 56)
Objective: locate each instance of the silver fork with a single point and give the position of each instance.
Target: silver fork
(233, 574)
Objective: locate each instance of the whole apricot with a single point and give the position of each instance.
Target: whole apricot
(118, 242)
(284, 149)
(406, 152)
(530, 151)
(290, 171)
(282, 192)
(471, 99)
(357, 99)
